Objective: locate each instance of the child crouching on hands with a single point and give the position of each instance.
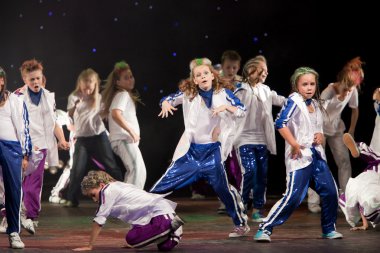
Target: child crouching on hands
(152, 217)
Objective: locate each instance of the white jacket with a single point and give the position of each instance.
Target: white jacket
(20, 121)
(268, 98)
(190, 114)
(49, 100)
(295, 116)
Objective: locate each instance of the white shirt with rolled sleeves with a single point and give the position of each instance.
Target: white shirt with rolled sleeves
(131, 204)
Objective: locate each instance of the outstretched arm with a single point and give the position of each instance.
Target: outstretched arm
(96, 228)
(169, 103)
(166, 108)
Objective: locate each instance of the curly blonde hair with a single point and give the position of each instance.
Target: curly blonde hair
(93, 180)
(190, 89)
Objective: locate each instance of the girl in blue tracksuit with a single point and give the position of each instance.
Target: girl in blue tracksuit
(210, 112)
(300, 123)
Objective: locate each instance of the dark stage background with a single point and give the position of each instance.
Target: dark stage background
(158, 38)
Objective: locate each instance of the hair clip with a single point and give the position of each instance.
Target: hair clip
(121, 65)
(199, 61)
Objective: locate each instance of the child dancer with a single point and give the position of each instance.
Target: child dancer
(41, 108)
(120, 101)
(300, 124)
(230, 65)
(152, 217)
(361, 200)
(375, 141)
(337, 95)
(210, 112)
(15, 150)
(84, 106)
(257, 135)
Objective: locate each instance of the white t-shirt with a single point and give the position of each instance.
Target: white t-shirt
(205, 126)
(7, 129)
(332, 123)
(253, 130)
(123, 102)
(87, 120)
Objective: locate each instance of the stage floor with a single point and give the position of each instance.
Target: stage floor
(62, 229)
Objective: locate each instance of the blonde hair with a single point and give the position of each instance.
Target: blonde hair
(190, 89)
(93, 180)
(253, 65)
(87, 73)
(111, 87)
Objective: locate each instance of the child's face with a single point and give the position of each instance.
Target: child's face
(88, 85)
(34, 80)
(2, 83)
(94, 193)
(230, 68)
(306, 85)
(126, 81)
(260, 74)
(203, 77)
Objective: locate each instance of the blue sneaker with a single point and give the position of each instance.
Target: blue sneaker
(332, 235)
(262, 236)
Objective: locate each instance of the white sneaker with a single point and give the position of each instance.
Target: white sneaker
(15, 241)
(314, 208)
(197, 196)
(313, 201)
(3, 225)
(56, 200)
(28, 225)
(239, 231)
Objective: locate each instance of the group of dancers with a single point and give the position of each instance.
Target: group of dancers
(229, 133)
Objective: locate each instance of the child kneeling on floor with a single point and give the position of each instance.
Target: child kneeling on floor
(152, 217)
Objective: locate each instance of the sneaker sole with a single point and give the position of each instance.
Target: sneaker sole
(261, 240)
(351, 145)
